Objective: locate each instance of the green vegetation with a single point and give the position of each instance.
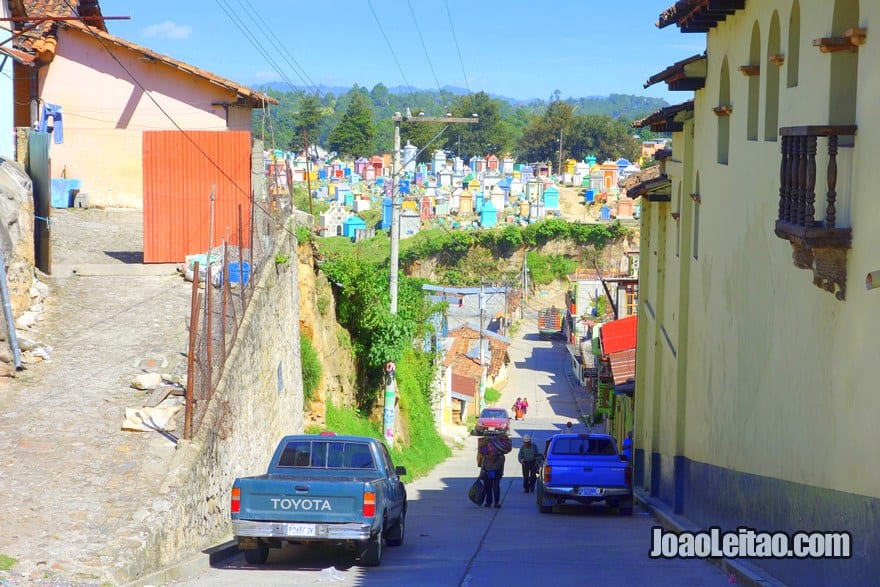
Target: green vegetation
(424, 448)
(544, 269)
(354, 134)
(311, 368)
(6, 562)
(492, 395)
(361, 119)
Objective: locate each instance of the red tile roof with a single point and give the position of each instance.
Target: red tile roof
(89, 10)
(619, 335)
(457, 354)
(252, 97)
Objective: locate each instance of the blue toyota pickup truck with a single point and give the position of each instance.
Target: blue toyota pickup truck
(334, 489)
(584, 468)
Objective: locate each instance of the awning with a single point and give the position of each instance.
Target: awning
(623, 366)
(619, 335)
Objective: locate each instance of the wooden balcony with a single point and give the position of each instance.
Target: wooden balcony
(820, 245)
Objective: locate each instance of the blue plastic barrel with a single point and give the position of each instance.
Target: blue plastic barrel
(239, 273)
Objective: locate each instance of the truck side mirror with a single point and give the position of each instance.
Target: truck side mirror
(401, 471)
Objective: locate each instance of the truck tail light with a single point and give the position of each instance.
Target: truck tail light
(628, 475)
(547, 473)
(235, 506)
(369, 504)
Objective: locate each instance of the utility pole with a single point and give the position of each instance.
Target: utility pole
(482, 401)
(395, 197)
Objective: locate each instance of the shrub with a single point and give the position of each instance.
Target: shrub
(311, 368)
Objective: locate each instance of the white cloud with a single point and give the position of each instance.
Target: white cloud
(167, 30)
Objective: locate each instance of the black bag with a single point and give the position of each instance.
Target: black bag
(477, 491)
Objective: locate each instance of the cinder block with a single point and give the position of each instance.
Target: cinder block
(81, 200)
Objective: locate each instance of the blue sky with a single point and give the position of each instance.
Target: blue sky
(515, 48)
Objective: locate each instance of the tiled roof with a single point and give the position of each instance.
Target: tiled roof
(638, 177)
(458, 352)
(248, 95)
(89, 10)
(663, 120)
(685, 75)
(698, 16)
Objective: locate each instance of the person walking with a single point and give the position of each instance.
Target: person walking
(491, 462)
(524, 404)
(517, 409)
(528, 458)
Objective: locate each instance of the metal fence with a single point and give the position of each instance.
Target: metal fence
(221, 293)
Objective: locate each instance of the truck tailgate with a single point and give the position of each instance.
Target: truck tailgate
(595, 472)
(282, 499)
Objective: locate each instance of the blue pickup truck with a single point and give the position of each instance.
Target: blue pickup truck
(341, 490)
(584, 468)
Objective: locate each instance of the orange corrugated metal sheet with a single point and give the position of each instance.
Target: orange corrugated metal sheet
(180, 171)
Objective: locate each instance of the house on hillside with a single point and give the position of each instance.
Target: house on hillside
(463, 369)
(133, 153)
(755, 355)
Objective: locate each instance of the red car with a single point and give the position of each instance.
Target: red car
(492, 421)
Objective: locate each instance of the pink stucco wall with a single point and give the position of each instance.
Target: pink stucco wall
(104, 114)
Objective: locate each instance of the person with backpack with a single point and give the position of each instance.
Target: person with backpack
(529, 458)
(490, 459)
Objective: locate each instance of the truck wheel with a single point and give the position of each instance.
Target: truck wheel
(372, 556)
(396, 533)
(257, 556)
(544, 509)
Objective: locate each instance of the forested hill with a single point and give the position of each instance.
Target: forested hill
(629, 106)
(358, 122)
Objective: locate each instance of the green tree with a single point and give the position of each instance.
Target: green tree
(308, 120)
(354, 135)
(489, 136)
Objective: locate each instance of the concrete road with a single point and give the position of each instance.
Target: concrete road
(450, 541)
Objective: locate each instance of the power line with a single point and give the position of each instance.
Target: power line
(457, 47)
(422, 39)
(295, 65)
(391, 49)
(252, 39)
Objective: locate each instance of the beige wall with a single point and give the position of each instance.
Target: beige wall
(779, 373)
(105, 113)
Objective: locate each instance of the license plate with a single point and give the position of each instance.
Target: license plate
(491, 428)
(300, 530)
(590, 492)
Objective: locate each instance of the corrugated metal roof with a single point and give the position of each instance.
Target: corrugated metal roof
(623, 365)
(619, 335)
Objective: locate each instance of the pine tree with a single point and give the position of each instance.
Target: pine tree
(355, 133)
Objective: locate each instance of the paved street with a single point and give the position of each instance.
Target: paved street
(452, 542)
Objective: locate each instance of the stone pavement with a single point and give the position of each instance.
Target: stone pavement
(78, 493)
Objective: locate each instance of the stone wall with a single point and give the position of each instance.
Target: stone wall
(259, 400)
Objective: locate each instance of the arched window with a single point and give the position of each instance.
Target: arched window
(771, 99)
(844, 66)
(724, 121)
(754, 84)
(793, 57)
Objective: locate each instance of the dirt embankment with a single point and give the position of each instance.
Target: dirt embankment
(317, 322)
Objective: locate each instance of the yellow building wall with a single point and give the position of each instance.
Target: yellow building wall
(779, 372)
